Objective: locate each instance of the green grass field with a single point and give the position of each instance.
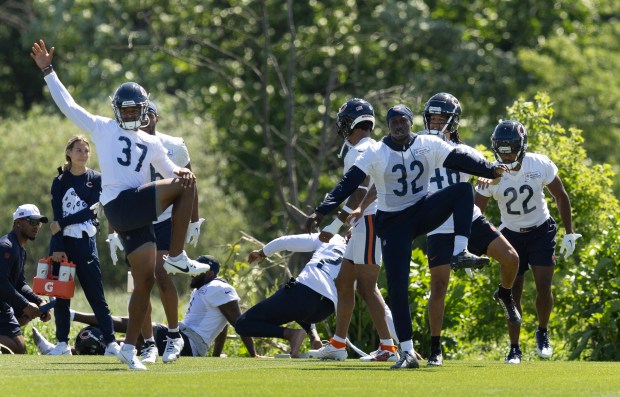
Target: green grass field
(32, 375)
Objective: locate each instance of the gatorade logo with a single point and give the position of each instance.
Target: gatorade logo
(49, 286)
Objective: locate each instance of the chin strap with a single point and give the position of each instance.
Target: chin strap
(344, 144)
(512, 166)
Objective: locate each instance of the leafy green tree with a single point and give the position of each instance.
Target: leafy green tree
(579, 72)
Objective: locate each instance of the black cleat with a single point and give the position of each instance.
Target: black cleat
(468, 260)
(407, 360)
(543, 348)
(514, 356)
(435, 359)
(510, 309)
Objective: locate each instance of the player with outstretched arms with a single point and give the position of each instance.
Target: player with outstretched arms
(400, 166)
(362, 259)
(527, 223)
(130, 200)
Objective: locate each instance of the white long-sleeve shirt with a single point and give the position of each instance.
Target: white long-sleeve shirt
(124, 156)
(322, 269)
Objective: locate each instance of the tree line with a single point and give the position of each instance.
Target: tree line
(253, 87)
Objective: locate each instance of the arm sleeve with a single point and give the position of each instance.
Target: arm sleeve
(65, 102)
(27, 292)
(462, 161)
(8, 293)
(347, 185)
(162, 162)
(185, 153)
(79, 217)
(56, 243)
(551, 170)
(293, 243)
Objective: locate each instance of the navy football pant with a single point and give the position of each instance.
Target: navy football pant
(397, 231)
(294, 302)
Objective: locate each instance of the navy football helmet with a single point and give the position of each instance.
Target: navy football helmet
(446, 105)
(130, 95)
(509, 136)
(353, 112)
(89, 341)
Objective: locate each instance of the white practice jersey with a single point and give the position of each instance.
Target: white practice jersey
(402, 177)
(321, 271)
(178, 153)
(443, 177)
(124, 156)
(349, 160)
(203, 316)
(520, 194)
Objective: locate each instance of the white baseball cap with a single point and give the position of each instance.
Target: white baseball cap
(29, 211)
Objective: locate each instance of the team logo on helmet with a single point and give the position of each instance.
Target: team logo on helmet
(89, 341)
(353, 112)
(446, 105)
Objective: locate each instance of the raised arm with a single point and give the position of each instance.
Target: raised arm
(65, 102)
(461, 161)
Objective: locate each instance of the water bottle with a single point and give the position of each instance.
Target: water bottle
(65, 271)
(42, 268)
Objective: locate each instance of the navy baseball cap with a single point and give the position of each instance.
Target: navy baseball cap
(211, 261)
(151, 108)
(399, 110)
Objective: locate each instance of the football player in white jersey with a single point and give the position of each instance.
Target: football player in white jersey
(362, 259)
(213, 305)
(178, 153)
(527, 224)
(442, 113)
(130, 200)
(400, 166)
(307, 299)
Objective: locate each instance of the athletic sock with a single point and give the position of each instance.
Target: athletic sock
(127, 346)
(460, 244)
(407, 346)
(338, 342)
(504, 292)
(435, 343)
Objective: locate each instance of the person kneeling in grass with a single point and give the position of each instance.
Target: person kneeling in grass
(213, 304)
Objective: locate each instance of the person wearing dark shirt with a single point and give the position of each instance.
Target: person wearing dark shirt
(18, 303)
(74, 229)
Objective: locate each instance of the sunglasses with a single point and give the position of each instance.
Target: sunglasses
(32, 222)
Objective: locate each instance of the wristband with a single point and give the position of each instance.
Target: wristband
(346, 209)
(333, 227)
(48, 67)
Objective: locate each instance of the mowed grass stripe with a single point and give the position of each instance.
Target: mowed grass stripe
(102, 376)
